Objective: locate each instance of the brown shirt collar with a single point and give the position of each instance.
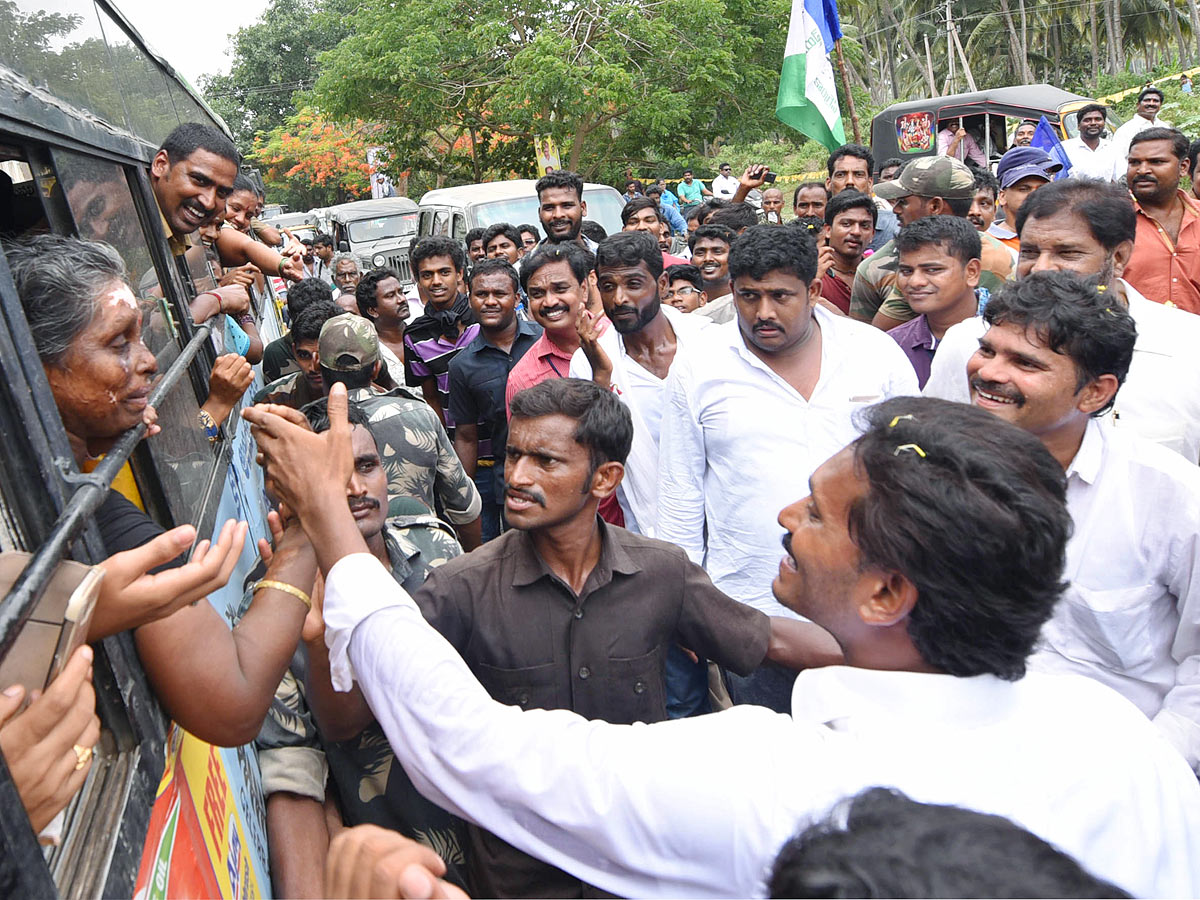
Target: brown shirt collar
(529, 566)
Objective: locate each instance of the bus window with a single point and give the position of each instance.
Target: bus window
(20, 207)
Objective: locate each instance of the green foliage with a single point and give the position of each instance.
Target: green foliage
(463, 87)
(273, 60)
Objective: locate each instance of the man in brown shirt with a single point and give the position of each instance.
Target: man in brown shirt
(567, 612)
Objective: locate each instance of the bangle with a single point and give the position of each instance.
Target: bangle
(287, 589)
(211, 429)
(282, 260)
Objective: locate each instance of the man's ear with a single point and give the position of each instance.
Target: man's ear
(606, 478)
(1121, 256)
(890, 600)
(1097, 393)
(814, 292)
(160, 164)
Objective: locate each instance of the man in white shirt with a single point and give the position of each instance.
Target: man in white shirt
(914, 551)
(1088, 227)
(753, 410)
(633, 358)
(724, 185)
(1054, 355)
(1150, 101)
(1090, 152)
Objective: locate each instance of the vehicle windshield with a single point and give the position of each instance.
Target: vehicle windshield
(602, 206)
(383, 227)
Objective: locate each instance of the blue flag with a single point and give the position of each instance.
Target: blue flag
(1045, 138)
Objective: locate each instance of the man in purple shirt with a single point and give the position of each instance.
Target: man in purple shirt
(448, 325)
(937, 274)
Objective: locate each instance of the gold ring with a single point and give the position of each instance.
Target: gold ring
(82, 756)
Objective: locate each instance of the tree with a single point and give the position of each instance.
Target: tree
(310, 162)
(462, 88)
(274, 59)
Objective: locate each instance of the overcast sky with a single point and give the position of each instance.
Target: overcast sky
(194, 41)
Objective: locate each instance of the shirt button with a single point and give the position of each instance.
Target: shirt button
(584, 672)
(523, 700)
(639, 687)
(579, 613)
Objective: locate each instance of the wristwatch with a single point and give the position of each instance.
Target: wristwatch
(211, 429)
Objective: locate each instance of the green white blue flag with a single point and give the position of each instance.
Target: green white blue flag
(807, 92)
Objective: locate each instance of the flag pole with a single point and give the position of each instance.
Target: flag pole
(837, 45)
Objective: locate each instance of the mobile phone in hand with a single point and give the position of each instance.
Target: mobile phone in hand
(769, 177)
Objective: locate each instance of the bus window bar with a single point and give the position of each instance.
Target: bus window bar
(89, 495)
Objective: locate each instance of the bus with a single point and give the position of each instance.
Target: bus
(84, 104)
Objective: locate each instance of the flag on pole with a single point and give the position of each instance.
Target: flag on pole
(807, 92)
(1046, 138)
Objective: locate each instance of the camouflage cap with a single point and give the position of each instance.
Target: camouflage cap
(348, 343)
(931, 176)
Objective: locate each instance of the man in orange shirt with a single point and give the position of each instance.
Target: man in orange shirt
(1165, 265)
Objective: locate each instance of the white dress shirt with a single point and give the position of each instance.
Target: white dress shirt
(635, 809)
(1089, 163)
(739, 444)
(643, 392)
(724, 186)
(1160, 399)
(1123, 136)
(1131, 616)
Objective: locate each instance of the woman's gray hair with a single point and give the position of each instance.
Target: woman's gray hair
(59, 280)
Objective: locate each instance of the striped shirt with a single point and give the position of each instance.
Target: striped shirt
(429, 356)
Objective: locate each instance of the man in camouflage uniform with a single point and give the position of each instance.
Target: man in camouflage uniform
(930, 186)
(417, 454)
(296, 757)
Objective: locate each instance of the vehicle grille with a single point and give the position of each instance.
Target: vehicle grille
(399, 262)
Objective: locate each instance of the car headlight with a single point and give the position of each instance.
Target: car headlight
(378, 260)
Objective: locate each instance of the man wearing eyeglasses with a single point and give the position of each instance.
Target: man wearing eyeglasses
(724, 185)
(685, 288)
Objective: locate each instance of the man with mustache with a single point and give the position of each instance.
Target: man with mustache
(983, 206)
(478, 376)
(1054, 355)
(300, 746)
(1088, 227)
(790, 376)
(710, 245)
(1165, 265)
(561, 209)
(1150, 101)
(566, 612)
(933, 559)
(850, 221)
(1091, 152)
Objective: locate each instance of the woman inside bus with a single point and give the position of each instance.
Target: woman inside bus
(214, 681)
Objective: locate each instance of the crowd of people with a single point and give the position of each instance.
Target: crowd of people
(851, 555)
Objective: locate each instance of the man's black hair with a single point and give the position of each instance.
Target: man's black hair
(811, 225)
(304, 293)
(889, 162)
(977, 521)
(1103, 205)
(959, 206)
(243, 183)
(738, 216)
(653, 189)
(491, 266)
(501, 228)
(1070, 316)
(323, 240)
(1091, 108)
(804, 185)
(688, 172)
(638, 187)
(578, 258)
(986, 181)
(1032, 122)
(858, 151)
(693, 213)
(635, 206)
(437, 245)
(530, 229)
(1179, 141)
(685, 272)
(1146, 91)
(956, 236)
(629, 248)
(605, 427)
(307, 326)
(368, 286)
(560, 179)
(882, 844)
(317, 414)
(850, 199)
(765, 248)
(593, 230)
(475, 234)
(1193, 152)
(720, 232)
(186, 139)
